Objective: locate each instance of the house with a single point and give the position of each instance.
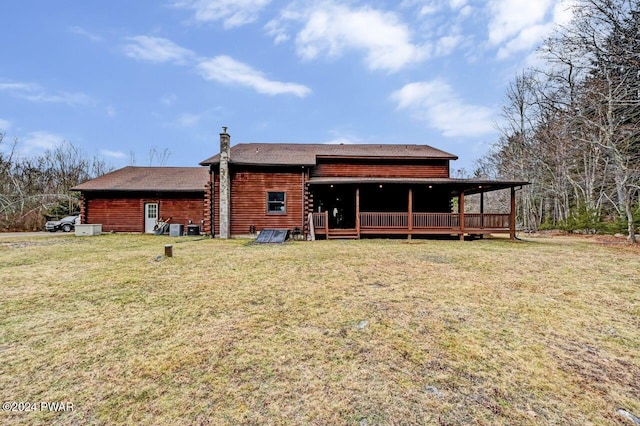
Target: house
(336, 191)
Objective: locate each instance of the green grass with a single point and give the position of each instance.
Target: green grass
(543, 331)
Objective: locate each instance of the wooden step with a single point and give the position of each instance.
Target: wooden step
(345, 234)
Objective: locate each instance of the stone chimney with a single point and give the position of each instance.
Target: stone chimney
(225, 185)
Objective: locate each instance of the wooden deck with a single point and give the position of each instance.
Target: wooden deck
(399, 223)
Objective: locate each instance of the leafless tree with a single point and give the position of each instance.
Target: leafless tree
(32, 186)
(572, 128)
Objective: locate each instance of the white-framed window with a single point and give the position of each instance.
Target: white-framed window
(276, 202)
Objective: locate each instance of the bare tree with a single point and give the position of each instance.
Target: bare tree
(32, 187)
(573, 127)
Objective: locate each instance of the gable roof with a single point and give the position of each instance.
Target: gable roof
(294, 154)
(157, 179)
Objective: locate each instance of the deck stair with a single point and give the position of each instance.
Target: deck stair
(342, 234)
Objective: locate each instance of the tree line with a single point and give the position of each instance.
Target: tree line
(34, 189)
(572, 125)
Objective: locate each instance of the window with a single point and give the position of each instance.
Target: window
(276, 203)
(152, 211)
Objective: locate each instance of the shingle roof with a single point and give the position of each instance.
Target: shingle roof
(161, 179)
(305, 154)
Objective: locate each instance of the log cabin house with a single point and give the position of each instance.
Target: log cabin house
(339, 191)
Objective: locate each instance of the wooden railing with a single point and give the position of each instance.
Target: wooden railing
(436, 220)
(421, 221)
(319, 220)
(384, 220)
(487, 220)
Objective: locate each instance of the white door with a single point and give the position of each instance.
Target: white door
(150, 217)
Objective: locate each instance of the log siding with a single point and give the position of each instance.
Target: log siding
(382, 169)
(124, 212)
(249, 188)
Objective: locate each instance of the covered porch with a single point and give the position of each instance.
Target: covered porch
(357, 207)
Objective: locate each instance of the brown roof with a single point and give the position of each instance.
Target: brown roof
(305, 154)
(157, 179)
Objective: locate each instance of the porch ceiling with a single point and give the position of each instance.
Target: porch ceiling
(469, 186)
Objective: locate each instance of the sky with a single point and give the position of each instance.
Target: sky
(120, 79)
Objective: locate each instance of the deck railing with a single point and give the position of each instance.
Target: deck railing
(421, 221)
(491, 220)
(375, 220)
(384, 220)
(319, 220)
(436, 220)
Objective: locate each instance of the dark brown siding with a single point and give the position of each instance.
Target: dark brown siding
(387, 169)
(116, 214)
(249, 187)
(124, 212)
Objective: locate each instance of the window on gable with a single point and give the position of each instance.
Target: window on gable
(276, 202)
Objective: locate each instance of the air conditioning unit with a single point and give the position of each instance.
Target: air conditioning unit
(176, 230)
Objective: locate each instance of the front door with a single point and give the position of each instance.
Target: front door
(150, 217)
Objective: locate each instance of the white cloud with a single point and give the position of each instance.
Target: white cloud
(331, 29)
(84, 33)
(447, 44)
(110, 111)
(17, 87)
(232, 13)
(168, 99)
(343, 138)
(520, 25)
(34, 93)
(157, 49)
(4, 125)
(223, 69)
(189, 120)
(72, 99)
(510, 17)
(527, 39)
(38, 142)
(436, 103)
(457, 4)
(227, 70)
(112, 154)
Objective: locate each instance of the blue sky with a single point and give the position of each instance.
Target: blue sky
(123, 77)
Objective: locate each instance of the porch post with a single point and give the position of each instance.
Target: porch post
(326, 223)
(482, 210)
(461, 214)
(512, 216)
(358, 211)
(410, 213)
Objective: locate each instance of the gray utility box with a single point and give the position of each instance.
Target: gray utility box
(176, 230)
(87, 229)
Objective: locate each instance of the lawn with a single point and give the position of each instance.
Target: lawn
(540, 331)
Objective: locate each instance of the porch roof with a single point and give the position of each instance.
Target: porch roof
(469, 186)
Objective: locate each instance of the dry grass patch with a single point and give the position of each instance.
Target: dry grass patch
(357, 332)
